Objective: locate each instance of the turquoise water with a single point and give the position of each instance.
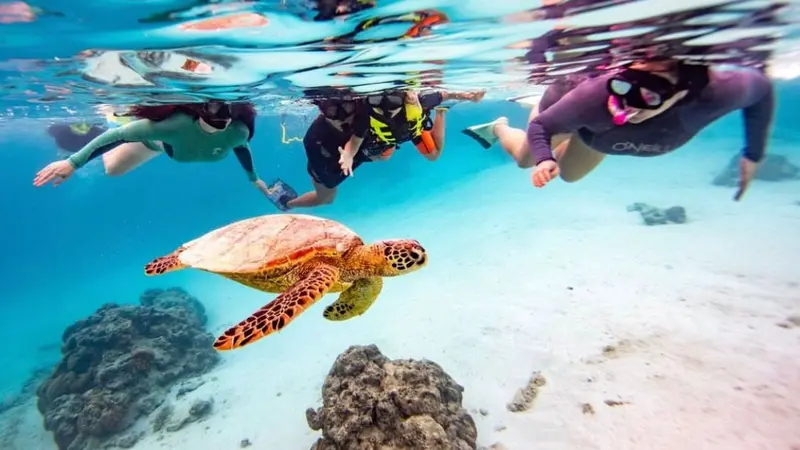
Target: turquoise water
(519, 279)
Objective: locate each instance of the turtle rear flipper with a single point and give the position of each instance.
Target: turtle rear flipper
(164, 264)
(275, 315)
(355, 300)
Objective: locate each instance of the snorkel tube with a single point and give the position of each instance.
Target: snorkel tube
(618, 114)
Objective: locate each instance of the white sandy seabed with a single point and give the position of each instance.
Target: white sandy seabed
(683, 328)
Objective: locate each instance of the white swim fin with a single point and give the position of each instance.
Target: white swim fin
(484, 133)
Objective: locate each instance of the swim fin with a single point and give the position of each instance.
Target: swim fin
(484, 133)
(528, 101)
(280, 194)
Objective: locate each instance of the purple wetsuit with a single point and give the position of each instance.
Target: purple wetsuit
(583, 110)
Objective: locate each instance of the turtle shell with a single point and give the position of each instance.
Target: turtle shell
(280, 239)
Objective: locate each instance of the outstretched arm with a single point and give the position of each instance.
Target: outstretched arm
(245, 157)
(757, 115)
(360, 129)
(580, 107)
(753, 93)
(137, 131)
(474, 96)
(437, 133)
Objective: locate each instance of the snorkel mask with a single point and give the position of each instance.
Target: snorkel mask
(387, 102)
(338, 110)
(633, 90)
(216, 114)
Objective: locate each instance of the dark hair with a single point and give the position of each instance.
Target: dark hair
(244, 112)
(693, 77)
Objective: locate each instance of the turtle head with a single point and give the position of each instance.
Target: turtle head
(401, 256)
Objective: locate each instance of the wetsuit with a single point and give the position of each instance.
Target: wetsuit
(373, 147)
(69, 140)
(583, 110)
(181, 139)
(322, 141)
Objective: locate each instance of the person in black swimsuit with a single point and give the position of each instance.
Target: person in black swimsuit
(341, 126)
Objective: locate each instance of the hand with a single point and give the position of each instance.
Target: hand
(747, 169)
(263, 187)
(476, 96)
(57, 172)
(544, 172)
(346, 161)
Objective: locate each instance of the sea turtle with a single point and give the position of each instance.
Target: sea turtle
(300, 257)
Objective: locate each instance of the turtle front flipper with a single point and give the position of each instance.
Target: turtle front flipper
(164, 264)
(355, 300)
(275, 315)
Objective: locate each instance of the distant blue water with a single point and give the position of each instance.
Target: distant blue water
(68, 250)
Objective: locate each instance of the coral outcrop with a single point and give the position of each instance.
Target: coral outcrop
(370, 402)
(118, 365)
(657, 216)
(772, 168)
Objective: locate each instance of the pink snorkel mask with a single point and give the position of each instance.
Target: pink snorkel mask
(633, 90)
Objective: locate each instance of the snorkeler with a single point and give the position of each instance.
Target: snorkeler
(330, 9)
(389, 128)
(70, 138)
(335, 143)
(335, 134)
(647, 109)
(201, 132)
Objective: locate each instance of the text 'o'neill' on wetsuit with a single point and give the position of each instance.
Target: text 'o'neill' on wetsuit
(181, 139)
(583, 110)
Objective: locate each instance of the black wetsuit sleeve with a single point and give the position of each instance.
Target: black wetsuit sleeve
(431, 100)
(245, 157)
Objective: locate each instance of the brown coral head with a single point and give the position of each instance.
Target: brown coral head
(142, 359)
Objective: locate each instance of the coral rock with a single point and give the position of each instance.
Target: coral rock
(656, 216)
(372, 402)
(118, 363)
(772, 168)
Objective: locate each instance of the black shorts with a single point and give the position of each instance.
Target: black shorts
(322, 143)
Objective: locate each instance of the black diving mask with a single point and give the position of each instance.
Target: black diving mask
(337, 109)
(386, 102)
(641, 89)
(216, 114)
